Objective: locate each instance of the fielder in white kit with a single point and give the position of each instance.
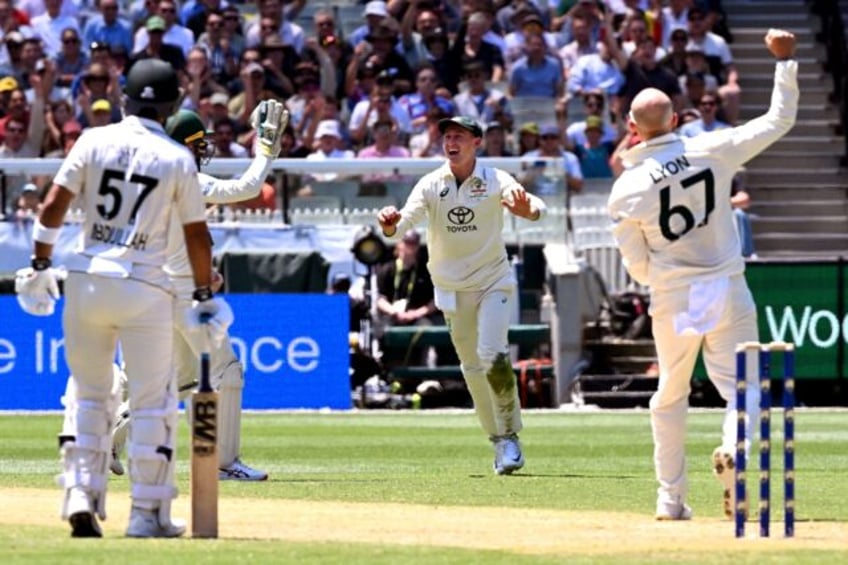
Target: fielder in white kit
(674, 226)
(131, 179)
(226, 371)
(463, 202)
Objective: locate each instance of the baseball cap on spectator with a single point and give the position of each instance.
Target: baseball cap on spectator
(13, 37)
(219, 98)
(8, 83)
(412, 237)
(254, 67)
(689, 113)
(272, 43)
(71, 127)
(493, 125)
(155, 23)
(464, 122)
(99, 46)
(376, 8)
(340, 282)
(30, 187)
(529, 127)
(549, 129)
(695, 50)
(101, 105)
(328, 127)
(594, 122)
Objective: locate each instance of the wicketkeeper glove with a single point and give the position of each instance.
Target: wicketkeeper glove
(269, 119)
(208, 313)
(38, 291)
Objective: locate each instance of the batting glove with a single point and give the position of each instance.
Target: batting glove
(209, 314)
(269, 119)
(38, 291)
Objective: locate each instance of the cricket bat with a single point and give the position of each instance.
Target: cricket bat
(204, 453)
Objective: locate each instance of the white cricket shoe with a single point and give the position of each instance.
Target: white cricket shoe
(238, 471)
(508, 457)
(671, 510)
(724, 470)
(81, 515)
(115, 464)
(146, 524)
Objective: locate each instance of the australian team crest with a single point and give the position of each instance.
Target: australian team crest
(478, 188)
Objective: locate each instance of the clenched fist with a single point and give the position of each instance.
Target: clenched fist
(780, 43)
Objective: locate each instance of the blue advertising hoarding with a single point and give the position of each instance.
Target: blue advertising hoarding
(294, 348)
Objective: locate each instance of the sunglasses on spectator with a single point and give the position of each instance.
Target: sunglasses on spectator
(324, 24)
(70, 40)
(213, 25)
(14, 130)
(168, 10)
(268, 27)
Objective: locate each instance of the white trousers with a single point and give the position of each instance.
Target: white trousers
(677, 356)
(479, 330)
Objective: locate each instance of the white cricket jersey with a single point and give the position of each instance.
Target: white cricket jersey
(464, 236)
(671, 206)
(130, 178)
(216, 191)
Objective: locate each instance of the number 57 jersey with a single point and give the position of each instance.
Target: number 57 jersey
(671, 210)
(129, 178)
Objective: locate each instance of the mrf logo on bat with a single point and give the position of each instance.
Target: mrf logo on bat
(205, 428)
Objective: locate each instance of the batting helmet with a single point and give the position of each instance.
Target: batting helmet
(152, 89)
(187, 128)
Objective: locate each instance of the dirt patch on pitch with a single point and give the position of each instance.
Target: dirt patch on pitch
(531, 531)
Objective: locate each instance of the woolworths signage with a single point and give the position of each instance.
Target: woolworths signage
(804, 304)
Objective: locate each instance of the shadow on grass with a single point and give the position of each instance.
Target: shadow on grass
(560, 476)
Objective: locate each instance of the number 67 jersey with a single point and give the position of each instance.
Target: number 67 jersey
(129, 178)
(671, 208)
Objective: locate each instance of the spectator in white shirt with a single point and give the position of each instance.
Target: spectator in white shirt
(174, 34)
(50, 25)
(329, 136)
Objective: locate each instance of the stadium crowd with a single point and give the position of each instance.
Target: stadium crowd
(377, 90)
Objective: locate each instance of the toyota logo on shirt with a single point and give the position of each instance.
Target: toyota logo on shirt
(460, 219)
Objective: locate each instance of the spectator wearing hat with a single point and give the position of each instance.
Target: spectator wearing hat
(329, 140)
(201, 83)
(385, 56)
(494, 141)
(172, 32)
(50, 25)
(270, 18)
(479, 102)
(71, 59)
(13, 66)
(528, 137)
(374, 14)
(417, 103)
(380, 105)
(536, 73)
(718, 54)
(594, 154)
(107, 27)
(515, 42)
(428, 143)
(593, 105)
(222, 55)
(29, 202)
(281, 62)
(155, 46)
(101, 113)
(471, 45)
(547, 179)
(97, 84)
(675, 58)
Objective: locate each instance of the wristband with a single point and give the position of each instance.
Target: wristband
(41, 263)
(202, 294)
(43, 234)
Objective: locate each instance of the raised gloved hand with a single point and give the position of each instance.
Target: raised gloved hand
(269, 119)
(38, 291)
(209, 313)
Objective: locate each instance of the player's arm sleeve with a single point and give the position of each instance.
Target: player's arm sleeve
(752, 138)
(631, 242)
(249, 185)
(71, 173)
(414, 211)
(190, 207)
